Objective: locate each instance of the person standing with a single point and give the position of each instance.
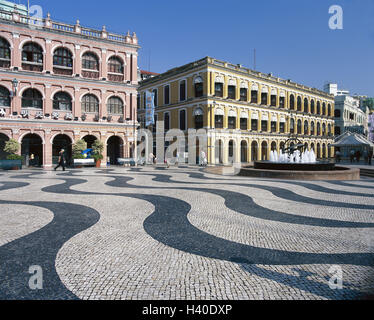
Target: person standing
(338, 156)
(61, 160)
(370, 155)
(366, 156)
(358, 156)
(352, 155)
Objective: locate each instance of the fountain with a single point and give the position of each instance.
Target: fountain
(296, 162)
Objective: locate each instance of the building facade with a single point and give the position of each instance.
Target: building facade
(246, 113)
(61, 82)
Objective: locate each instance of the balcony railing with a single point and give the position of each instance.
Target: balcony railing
(116, 77)
(29, 66)
(47, 23)
(90, 74)
(62, 71)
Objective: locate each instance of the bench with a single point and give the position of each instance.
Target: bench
(84, 162)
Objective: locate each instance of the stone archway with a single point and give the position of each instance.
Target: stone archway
(62, 141)
(114, 149)
(32, 150)
(3, 139)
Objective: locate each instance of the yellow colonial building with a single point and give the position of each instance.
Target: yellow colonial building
(246, 113)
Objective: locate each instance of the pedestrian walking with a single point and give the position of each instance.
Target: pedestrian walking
(61, 160)
(358, 156)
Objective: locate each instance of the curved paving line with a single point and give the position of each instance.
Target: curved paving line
(41, 248)
(7, 185)
(244, 204)
(351, 185)
(169, 225)
(277, 191)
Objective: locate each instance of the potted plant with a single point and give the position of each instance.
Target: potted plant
(97, 154)
(14, 160)
(78, 147)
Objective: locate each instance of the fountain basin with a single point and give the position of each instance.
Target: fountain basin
(317, 166)
(337, 173)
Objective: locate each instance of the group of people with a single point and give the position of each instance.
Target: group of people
(356, 156)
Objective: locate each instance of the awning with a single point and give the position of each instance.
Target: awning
(352, 140)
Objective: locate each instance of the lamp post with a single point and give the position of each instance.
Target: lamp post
(15, 83)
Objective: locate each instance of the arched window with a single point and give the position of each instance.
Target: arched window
(199, 87)
(115, 69)
(218, 87)
(90, 65)
(115, 65)
(292, 126)
(182, 120)
(306, 105)
(115, 105)
(199, 118)
(318, 129)
(329, 132)
(318, 107)
(299, 104)
(62, 101)
(312, 105)
(292, 102)
(32, 98)
(231, 90)
(299, 129)
(4, 53)
(32, 57)
(323, 129)
(264, 98)
(306, 127)
(90, 103)
(4, 97)
(63, 61)
(329, 110)
(312, 129)
(324, 109)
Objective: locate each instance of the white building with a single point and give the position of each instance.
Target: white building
(349, 116)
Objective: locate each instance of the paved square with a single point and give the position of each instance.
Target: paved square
(144, 233)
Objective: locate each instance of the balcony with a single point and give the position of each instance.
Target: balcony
(32, 66)
(62, 71)
(116, 77)
(91, 74)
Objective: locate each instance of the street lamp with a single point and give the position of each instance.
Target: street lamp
(15, 86)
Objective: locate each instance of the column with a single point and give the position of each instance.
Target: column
(103, 138)
(48, 57)
(134, 66)
(48, 101)
(104, 64)
(212, 84)
(77, 64)
(77, 110)
(128, 65)
(16, 60)
(47, 151)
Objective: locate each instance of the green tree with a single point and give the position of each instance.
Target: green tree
(12, 146)
(78, 147)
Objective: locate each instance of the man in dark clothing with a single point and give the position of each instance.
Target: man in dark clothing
(61, 160)
(358, 156)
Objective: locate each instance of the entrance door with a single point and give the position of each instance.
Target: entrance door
(32, 150)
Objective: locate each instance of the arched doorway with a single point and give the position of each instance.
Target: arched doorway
(324, 151)
(3, 139)
(219, 152)
(244, 151)
(312, 147)
(264, 151)
(274, 146)
(62, 141)
(32, 150)
(254, 151)
(114, 149)
(231, 155)
(90, 139)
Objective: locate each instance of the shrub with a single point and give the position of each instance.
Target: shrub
(98, 147)
(14, 157)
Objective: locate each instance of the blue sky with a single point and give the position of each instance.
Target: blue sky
(291, 37)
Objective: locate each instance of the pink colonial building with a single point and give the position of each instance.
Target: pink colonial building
(60, 83)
